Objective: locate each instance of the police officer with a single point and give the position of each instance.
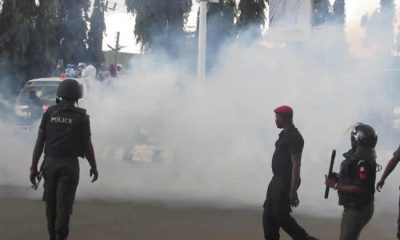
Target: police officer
(356, 182)
(388, 169)
(64, 133)
(282, 190)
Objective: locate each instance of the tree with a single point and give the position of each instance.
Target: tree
(322, 12)
(160, 23)
(17, 20)
(379, 27)
(73, 15)
(220, 26)
(95, 35)
(44, 47)
(251, 15)
(339, 15)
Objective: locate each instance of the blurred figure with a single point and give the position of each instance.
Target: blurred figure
(80, 68)
(60, 70)
(391, 165)
(356, 182)
(35, 106)
(104, 73)
(113, 70)
(89, 72)
(70, 71)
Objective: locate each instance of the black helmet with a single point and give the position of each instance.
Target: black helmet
(69, 88)
(364, 135)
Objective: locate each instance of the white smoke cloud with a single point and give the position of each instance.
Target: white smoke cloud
(215, 139)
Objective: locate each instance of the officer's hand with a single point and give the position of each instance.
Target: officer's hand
(94, 173)
(330, 182)
(379, 185)
(293, 199)
(335, 176)
(33, 176)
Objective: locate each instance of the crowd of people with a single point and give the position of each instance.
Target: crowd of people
(87, 70)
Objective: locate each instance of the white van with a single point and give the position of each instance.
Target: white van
(37, 95)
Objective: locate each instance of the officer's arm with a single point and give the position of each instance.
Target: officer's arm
(37, 152)
(360, 182)
(296, 163)
(390, 167)
(89, 154)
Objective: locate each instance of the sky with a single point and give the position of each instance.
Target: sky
(123, 22)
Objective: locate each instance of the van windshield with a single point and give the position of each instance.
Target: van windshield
(45, 92)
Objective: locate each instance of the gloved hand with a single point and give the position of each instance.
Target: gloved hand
(94, 173)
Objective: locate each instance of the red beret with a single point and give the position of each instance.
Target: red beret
(284, 110)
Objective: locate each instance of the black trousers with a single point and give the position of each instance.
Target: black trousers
(277, 212)
(61, 178)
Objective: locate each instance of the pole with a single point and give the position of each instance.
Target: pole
(201, 60)
(116, 49)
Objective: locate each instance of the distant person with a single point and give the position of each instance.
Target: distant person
(104, 73)
(35, 106)
(282, 190)
(89, 72)
(70, 72)
(65, 135)
(80, 68)
(356, 182)
(391, 165)
(60, 70)
(112, 68)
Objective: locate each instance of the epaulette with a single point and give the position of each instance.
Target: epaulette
(51, 108)
(80, 110)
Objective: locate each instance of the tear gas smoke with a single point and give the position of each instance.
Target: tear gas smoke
(213, 141)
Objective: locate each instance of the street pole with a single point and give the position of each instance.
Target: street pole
(116, 49)
(202, 44)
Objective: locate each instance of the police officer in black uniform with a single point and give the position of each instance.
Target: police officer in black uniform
(64, 133)
(356, 182)
(282, 190)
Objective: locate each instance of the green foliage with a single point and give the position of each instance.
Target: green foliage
(160, 23)
(33, 36)
(220, 25)
(16, 38)
(95, 34)
(322, 12)
(73, 15)
(339, 15)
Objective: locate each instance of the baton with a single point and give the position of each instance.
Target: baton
(330, 171)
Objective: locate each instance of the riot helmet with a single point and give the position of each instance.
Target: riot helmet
(363, 135)
(70, 89)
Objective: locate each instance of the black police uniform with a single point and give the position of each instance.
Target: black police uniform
(66, 130)
(358, 168)
(277, 205)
